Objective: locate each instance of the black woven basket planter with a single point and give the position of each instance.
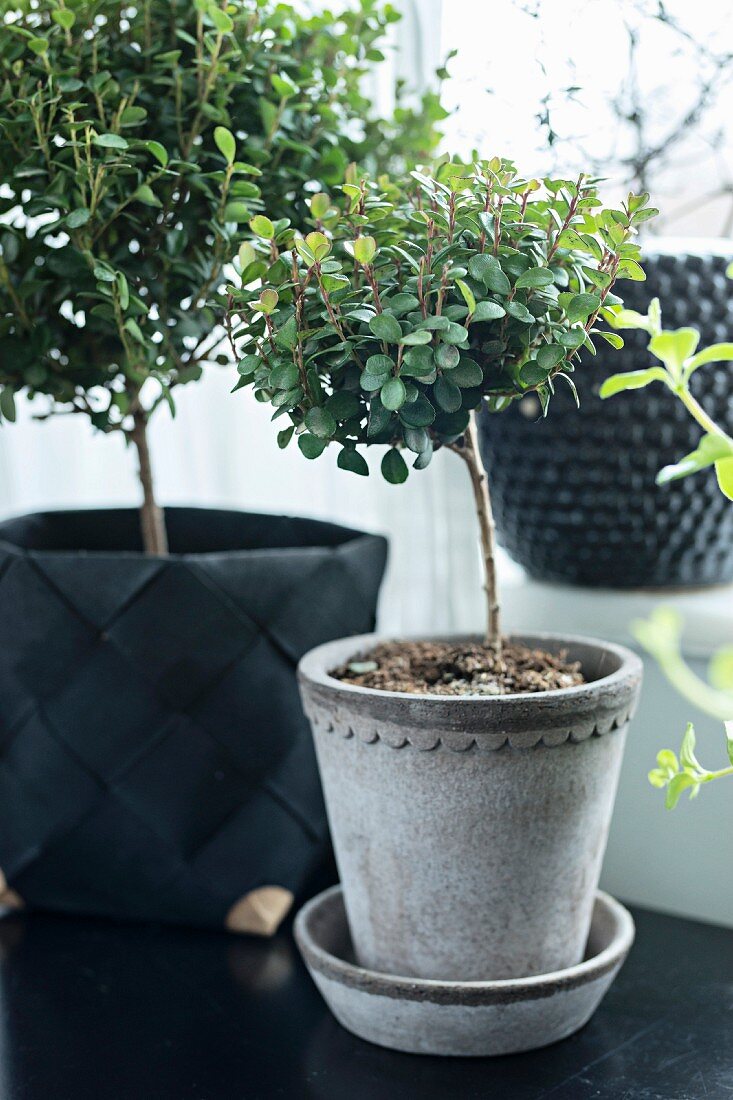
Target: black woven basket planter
(574, 494)
(154, 759)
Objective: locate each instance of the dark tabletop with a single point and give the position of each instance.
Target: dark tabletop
(93, 1010)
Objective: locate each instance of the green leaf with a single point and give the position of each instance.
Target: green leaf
(414, 339)
(520, 313)
(147, 196)
(311, 445)
(318, 245)
(109, 141)
(220, 19)
(393, 394)
(135, 331)
(320, 205)
(267, 301)
(79, 217)
(418, 362)
(320, 422)
(631, 380)
(424, 458)
(284, 437)
(385, 327)
(532, 374)
(487, 311)
(158, 151)
(283, 85)
(630, 269)
(236, 212)
(7, 404)
(350, 459)
(37, 45)
(573, 338)
(549, 355)
(379, 364)
(365, 249)
(418, 413)
(724, 474)
(716, 353)
(467, 374)
(487, 270)
(394, 468)
(332, 283)
(674, 347)
(535, 277)
(467, 294)
(447, 394)
(454, 334)
(676, 786)
(611, 338)
(379, 418)
(581, 306)
(284, 377)
(710, 450)
(304, 251)
(262, 227)
(343, 405)
(64, 18)
(287, 335)
(687, 749)
(416, 439)
(123, 290)
(225, 143)
(447, 356)
(248, 365)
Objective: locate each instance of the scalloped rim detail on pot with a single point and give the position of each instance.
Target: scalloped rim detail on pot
(426, 741)
(464, 723)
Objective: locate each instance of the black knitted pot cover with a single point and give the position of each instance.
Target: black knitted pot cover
(574, 494)
(155, 762)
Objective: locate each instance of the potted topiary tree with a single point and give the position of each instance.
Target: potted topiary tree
(469, 782)
(124, 187)
(135, 143)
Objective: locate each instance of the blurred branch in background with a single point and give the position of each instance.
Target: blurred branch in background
(664, 98)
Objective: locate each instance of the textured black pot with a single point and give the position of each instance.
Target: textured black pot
(154, 759)
(574, 494)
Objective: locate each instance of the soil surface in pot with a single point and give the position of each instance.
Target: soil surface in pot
(449, 668)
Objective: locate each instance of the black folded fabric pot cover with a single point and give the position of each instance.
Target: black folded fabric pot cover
(154, 759)
(575, 495)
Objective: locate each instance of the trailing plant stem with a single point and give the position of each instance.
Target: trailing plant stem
(469, 451)
(696, 410)
(718, 704)
(152, 522)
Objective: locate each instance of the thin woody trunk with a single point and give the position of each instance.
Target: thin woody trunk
(152, 522)
(469, 452)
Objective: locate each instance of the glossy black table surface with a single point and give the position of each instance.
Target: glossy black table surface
(93, 1010)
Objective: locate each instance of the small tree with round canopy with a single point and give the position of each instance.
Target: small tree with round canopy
(407, 306)
(135, 142)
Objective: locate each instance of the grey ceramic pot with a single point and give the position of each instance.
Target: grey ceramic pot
(469, 831)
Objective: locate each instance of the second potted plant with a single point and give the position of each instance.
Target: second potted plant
(469, 782)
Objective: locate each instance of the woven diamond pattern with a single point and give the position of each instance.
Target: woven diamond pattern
(574, 494)
(154, 759)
